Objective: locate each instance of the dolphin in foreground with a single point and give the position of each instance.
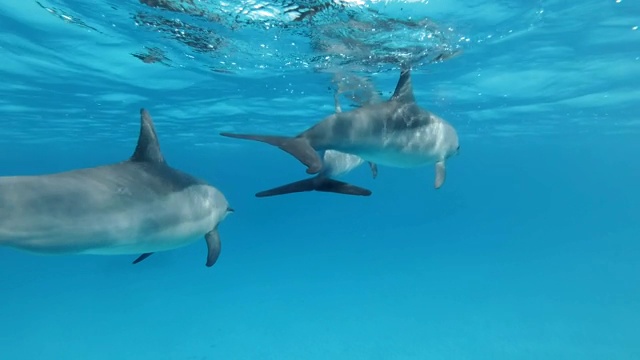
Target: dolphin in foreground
(396, 133)
(335, 164)
(137, 206)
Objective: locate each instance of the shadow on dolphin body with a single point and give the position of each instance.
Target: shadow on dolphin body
(396, 133)
(137, 206)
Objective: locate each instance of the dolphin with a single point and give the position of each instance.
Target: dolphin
(396, 133)
(335, 163)
(137, 206)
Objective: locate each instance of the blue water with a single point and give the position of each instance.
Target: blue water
(529, 251)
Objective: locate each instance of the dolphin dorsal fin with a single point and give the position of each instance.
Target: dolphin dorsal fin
(404, 90)
(148, 148)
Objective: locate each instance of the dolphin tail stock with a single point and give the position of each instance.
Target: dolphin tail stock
(318, 184)
(299, 147)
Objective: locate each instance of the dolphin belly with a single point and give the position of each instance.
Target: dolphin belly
(337, 163)
(397, 159)
(403, 149)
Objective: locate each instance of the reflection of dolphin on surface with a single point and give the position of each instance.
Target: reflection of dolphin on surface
(137, 206)
(396, 132)
(336, 163)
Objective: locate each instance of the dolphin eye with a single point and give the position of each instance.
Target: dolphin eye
(458, 148)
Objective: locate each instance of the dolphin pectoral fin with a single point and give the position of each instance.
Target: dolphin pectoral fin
(142, 257)
(374, 169)
(213, 246)
(441, 174)
(299, 147)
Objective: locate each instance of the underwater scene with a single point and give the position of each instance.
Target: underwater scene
(319, 179)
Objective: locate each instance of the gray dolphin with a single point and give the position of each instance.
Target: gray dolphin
(137, 206)
(396, 132)
(335, 164)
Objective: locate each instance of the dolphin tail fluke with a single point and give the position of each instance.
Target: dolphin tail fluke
(317, 184)
(299, 147)
(330, 185)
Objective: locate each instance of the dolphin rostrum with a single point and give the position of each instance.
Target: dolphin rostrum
(137, 206)
(396, 132)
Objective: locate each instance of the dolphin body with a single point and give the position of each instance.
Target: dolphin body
(137, 206)
(396, 133)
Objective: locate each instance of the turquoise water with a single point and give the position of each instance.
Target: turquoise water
(529, 251)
